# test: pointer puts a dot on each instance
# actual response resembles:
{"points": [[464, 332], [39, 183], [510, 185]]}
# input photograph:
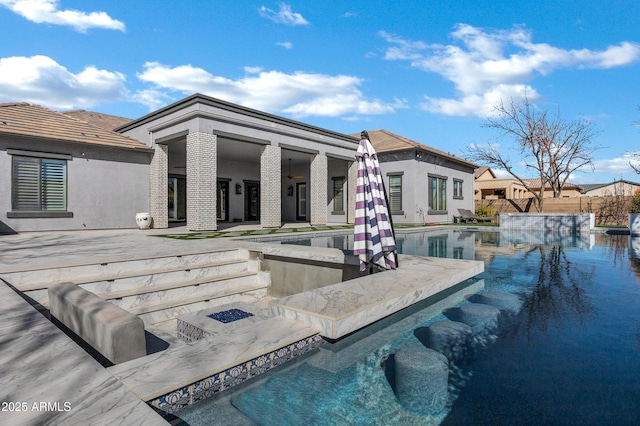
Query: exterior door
{"points": [[251, 201], [301, 201], [222, 205], [176, 201]]}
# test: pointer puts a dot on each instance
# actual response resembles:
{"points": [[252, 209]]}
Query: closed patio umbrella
{"points": [[374, 242]]}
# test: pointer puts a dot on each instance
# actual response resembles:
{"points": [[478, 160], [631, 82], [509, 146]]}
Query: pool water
{"points": [[570, 356]]}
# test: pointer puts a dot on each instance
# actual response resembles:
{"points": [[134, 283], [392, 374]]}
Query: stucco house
{"points": [[202, 161], [424, 184], [619, 187], [569, 190], [490, 187], [58, 172]]}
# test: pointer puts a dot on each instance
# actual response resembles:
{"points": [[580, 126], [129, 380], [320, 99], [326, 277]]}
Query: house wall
{"points": [[613, 189], [415, 185], [106, 187]]}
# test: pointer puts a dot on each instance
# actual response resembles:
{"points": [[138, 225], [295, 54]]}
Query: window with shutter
{"points": [[395, 193], [338, 195], [39, 184]]}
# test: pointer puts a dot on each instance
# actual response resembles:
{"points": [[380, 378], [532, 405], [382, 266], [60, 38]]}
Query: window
{"points": [[338, 195], [437, 193], [457, 189], [395, 193], [39, 185]]}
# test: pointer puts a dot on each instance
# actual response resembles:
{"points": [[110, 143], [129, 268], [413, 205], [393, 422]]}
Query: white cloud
{"points": [[300, 94], [286, 44], [620, 165], [152, 99], [486, 65], [47, 12], [283, 16], [41, 80]]}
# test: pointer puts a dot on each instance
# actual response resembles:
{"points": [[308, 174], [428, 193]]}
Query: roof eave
{"points": [[228, 106]]}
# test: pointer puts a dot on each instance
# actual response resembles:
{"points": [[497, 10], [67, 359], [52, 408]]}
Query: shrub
{"points": [[483, 211], [635, 202]]}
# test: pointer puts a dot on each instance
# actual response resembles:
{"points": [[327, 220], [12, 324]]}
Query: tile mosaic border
{"points": [[209, 386]]}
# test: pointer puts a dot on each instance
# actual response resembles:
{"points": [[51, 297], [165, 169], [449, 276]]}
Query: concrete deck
{"points": [[53, 380]]}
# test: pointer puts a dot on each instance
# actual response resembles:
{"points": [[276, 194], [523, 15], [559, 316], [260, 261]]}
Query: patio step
{"points": [[37, 279], [185, 293], [158, 288]]}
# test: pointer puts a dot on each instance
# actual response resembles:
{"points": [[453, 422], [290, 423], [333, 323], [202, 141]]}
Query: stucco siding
{"points": [[105, 187]]}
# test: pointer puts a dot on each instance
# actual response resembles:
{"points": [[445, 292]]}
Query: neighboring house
{"points": [[619, 187], [569, 190], [215, 161], [59, 173], [489, 187], [423, 184]]}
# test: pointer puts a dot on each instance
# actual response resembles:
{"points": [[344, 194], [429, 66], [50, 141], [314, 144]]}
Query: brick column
{"points": [[202, 173], [270, 187], [158, 186], [318, 192], [351, 192]]}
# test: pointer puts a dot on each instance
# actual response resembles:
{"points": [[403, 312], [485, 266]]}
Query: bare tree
{"points": [[551, 147]]}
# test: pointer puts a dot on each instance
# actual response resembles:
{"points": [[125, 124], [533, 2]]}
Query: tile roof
{"points": [[386, 141], [480, 171], [24, 119], [99, 119], [591, 186], [535, 183]]}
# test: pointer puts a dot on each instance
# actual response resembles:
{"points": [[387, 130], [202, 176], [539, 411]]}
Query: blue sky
{"points": [[430, 71]]}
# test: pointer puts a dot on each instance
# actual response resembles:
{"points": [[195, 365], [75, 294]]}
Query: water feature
{"points": [[571, 355]]}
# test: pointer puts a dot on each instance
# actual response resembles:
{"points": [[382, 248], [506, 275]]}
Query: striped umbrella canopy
{"points": [[374, 242]]}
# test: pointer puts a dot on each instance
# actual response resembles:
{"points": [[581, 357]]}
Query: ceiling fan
{"points": [[290, 176]]}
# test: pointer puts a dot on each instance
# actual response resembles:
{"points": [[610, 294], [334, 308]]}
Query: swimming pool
{"points": [[570, 356]]}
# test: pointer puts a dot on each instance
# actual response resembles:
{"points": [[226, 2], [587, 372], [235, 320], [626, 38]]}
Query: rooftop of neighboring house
{"points": [[482, 170], [592, 186], [34, 121], [536, 183], [385, 141]]}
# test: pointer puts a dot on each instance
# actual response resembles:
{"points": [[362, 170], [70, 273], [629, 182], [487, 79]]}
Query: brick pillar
{"points": [[351, 192], [318, 193], [202, 173], [158, 186], [270, 187]]}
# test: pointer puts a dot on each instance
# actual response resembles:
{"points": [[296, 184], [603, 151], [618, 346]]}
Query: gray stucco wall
{"points": [[415, 186], [106, 187]]}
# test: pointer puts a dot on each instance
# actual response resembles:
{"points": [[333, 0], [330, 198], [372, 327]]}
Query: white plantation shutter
{"points": [[26, 183], [338, 194], [54, 185], [395, 193], [39, 184]]}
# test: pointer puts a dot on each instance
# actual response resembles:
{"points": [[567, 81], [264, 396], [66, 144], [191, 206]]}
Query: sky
{"points": [[431, 71]]}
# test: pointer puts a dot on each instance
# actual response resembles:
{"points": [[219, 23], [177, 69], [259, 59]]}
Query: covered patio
{"points": [[216, 162]]}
